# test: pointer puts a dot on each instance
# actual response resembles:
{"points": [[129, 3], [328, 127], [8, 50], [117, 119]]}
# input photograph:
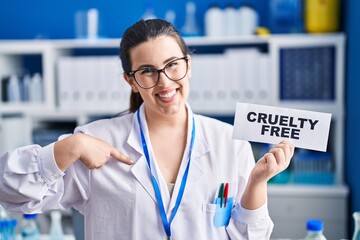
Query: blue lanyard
{"points": [[167, 223]]}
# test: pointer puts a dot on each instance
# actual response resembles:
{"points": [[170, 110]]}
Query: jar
{"points": [[322, 16]]}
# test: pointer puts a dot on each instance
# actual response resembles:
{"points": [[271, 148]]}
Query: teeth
{"points": [[168, 95]]}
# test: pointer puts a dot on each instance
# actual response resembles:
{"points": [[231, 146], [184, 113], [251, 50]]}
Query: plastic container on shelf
{"points": [[170, 16], [13, 89], [149, 12], [92, 23], [29, 227], [230, 20], [81, 24], [9, 229], [26, 82], [286, 16], [314, 230], [356, 234], [3, 213], [214, 21], [248, 20], [56, 230], [7, 225], [322, 16], [36, 89]]}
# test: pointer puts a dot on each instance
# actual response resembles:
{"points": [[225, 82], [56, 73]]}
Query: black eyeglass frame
{"points": [[162, 70]]}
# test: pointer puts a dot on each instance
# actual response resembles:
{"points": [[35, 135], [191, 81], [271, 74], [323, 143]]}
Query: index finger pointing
{"points": [[121, 157]]}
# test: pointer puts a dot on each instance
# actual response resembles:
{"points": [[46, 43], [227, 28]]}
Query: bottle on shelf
{"points": [[29, 227], [190, 27], [170, 16], [149, 12], [356, 234], [214, 18], [3, 213], [3, 229], [56, 230], [14, 89], [12, 232], [286, 16], [36, 89], [7, 225], [92, 23], [322, 16], [26, 82], [8, 229], [230, 20], [314, 229], [248, 20]]}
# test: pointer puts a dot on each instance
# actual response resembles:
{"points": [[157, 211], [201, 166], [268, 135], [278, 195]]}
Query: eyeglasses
{"points": [[148, 77]]}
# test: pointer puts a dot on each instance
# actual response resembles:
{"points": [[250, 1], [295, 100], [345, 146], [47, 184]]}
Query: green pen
{"points": [[221, 194]]}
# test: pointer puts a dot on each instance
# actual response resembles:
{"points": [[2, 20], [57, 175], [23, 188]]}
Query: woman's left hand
{"points": [[273, 162]]}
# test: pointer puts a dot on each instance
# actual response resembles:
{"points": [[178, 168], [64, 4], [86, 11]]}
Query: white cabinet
{"points": [[297, 71], [13, 55], [290, 207], [328, 52]]}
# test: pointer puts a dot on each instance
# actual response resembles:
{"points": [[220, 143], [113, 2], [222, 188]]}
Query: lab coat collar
{"points": [[141, 170]]}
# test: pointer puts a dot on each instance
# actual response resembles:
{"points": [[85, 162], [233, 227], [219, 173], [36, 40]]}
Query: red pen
{"points": [[226, 193]]}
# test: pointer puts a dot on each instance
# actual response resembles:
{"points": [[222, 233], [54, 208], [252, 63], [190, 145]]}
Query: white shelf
{"points": [[229, 40], [292, 190], [34, 46], [333, 107], [18, 108], [79, 117], [23, 47], [86, 43], [47, 237]]}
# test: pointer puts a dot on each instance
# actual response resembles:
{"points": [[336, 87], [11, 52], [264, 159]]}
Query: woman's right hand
{"points": [[93, 152]]}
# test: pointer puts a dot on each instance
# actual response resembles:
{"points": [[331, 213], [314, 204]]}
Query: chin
{"points": [[173, 109]]}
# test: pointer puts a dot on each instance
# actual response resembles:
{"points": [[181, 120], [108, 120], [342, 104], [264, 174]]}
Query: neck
{"points": [[168, 136], [157, 121]]}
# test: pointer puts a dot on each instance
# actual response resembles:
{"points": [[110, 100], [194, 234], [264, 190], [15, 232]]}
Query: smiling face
{"points": [[167, 97]]}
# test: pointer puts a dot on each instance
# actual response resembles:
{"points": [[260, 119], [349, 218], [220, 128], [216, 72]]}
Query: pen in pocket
{"points": [[221, 196], [226, 192]]}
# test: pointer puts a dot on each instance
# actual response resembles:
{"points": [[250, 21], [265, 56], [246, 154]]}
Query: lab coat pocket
{"points": [[222, 212]]}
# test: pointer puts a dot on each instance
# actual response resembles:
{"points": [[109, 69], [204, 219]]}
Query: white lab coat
{"points": [[118, 200]]}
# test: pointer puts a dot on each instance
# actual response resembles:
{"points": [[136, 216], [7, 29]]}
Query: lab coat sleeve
{"points": [[244, 223], [250, 224], [31, 182]]}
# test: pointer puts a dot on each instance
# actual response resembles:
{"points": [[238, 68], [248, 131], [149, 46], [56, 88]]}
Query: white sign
{"points": [[267, 124]]}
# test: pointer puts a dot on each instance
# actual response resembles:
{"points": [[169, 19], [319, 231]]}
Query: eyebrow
{"points": [[152, 66]]}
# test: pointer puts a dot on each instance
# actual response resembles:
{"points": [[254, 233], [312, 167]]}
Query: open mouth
{"points": [[167, 95]]}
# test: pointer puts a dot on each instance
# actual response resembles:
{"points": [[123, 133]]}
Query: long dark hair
{"points": [[141, 32]]}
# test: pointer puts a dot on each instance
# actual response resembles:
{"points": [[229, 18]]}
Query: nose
{"points": [[163, 79]]}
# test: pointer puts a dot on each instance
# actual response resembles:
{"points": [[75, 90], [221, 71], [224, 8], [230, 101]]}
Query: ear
{"points": [[131, 82]]}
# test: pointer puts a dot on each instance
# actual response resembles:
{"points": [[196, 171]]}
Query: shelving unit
{"points": [[12, 54], [223, 52], [291, 206]]}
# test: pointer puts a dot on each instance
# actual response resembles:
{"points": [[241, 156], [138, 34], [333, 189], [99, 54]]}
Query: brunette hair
{"points": [[141, 32]]}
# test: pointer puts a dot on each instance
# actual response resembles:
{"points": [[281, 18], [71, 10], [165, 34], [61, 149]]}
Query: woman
{"points": [[184, 177]]}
